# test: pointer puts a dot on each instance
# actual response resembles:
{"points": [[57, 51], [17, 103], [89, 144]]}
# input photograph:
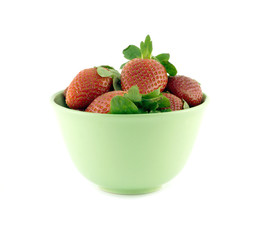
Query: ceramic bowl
{"points": [[129, 153]]}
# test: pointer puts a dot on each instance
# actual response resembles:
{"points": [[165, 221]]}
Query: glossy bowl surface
{"points": [[129, 154]]}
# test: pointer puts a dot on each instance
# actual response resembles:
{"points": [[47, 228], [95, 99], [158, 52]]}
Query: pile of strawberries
{"points": [[146, 84]]}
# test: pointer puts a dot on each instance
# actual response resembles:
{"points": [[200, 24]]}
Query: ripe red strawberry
{"points": [[85, 87], [175, 102], [102, 103], [185, 88], [144, 70], [147, 74]]}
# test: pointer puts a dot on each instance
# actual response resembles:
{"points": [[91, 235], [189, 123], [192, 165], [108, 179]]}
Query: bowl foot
{"points": [[130, 191]]}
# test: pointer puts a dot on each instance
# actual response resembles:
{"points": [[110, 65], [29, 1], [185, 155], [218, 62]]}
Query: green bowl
{"points": [[129, 153]]}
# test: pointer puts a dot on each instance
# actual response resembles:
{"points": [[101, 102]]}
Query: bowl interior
{"points": [[59, 99]]}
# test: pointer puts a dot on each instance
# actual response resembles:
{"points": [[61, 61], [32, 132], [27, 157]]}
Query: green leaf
{"points": [[133, 102], [150, 105], [132, 52], [164, 102], [107, 71], [153, 57], [115, 73], [107, 66], [170, 68], [149, 44], [185, 104], [141, 110], [121, 67], [143, 49], [146, 48], [103, 72], [162, 57], [166, 110], [153, 94], [134, 94], [122, 105]]}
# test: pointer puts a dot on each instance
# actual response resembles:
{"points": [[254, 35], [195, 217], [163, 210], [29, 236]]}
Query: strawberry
{"points": [[144, 70], [147, 74], [175, 102], [185, 88], [85, 87], [102, 103]]}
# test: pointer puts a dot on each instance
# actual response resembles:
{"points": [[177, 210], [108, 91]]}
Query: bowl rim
{"points": [[73, 111]]}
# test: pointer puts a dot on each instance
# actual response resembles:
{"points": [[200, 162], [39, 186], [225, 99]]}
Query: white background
{"points": [[220, 192]]}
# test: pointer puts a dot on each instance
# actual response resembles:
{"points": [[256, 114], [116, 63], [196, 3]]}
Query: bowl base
{"points": [[130, 191]]}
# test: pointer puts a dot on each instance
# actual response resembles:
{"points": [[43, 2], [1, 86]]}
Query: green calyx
{"points": [[135, 103], [107, 71], [146, 48], [145, 52]]}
